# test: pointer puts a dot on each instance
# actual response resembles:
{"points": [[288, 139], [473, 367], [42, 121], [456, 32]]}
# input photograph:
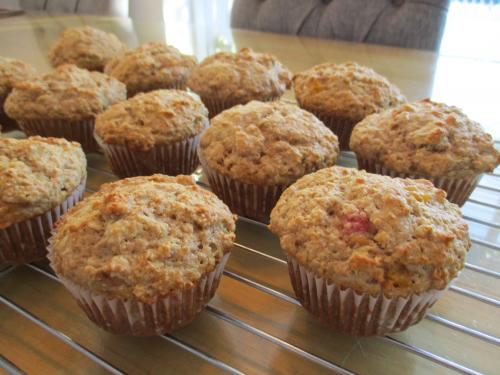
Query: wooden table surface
{"points": [[253, 325]]}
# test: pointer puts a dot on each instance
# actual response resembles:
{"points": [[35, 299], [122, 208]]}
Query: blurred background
{"points": [[201, 27], [461, 27]]}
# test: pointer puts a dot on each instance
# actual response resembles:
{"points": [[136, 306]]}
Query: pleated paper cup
{"points": [[457, 190], [7, 123], [81, 131], [27, 240], [171, 159], [248, 200], [359, 314], [216, 106], [340, 126], [132, 317]]}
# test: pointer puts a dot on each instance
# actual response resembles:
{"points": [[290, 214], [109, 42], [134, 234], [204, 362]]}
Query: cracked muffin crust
{"points": [[149, 119], [347, 91], [425, 137], [142, 238], [68, 93], [271, 143], [37, 174], [86, 47], [372, 233], [151, 66], [240, 77], [12, 71]]}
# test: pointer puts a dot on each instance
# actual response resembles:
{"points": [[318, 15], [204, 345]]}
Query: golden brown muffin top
{"points": [[372, 233], [150, 66], [348, 91], [37, 174], [142, 237], [68, 93], [87, 47], [148, 119], [12, 71], [428, 138], [240, 77], [267, 143]]}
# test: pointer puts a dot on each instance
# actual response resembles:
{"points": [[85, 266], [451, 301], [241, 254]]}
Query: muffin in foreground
{"points": [[86, 47], [155, 132], [427, 140], [64, 103], [144, 255], [11, 71], [226, 79], [40, 179], [341, 95], [251, 153], [151, 66], [369, 254]]}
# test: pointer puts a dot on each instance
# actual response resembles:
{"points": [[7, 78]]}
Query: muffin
{"points": [[151, 66], [144, 255], [11, 71], [155, 132], [226, 79], [252, 152], [86, 47], [40, 179], [369, 254], [341, 95], [64, 103], [427, 140]]}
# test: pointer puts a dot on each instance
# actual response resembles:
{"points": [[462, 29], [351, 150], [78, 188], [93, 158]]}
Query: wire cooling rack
{"points": [[460, 334]]}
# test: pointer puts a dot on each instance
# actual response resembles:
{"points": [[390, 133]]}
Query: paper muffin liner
{"points": [[174, 85], [7, 123], [216, 106], [81, 131], [132, 317], [457, 190], [171, 159], [359, 314], [248, 200], [27, 240], [342, 128]]}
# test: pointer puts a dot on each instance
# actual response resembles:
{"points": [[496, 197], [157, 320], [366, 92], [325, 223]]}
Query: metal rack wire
{"points": [[288, 298]]}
